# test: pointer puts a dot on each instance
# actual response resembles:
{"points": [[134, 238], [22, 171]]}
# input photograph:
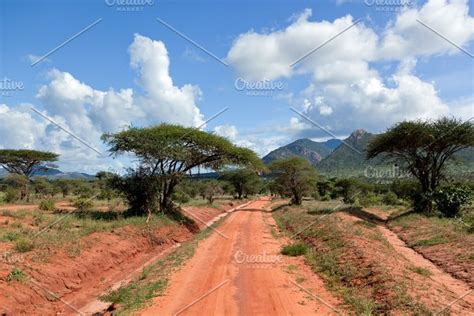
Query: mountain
{"points": [[313, 151], [347, 157], [333, 157], [55, 174]]}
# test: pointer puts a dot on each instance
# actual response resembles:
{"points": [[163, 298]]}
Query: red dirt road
{"points": [[239, 271]]}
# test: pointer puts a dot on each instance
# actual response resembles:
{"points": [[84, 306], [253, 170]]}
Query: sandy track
{"points": [[223, 279]]}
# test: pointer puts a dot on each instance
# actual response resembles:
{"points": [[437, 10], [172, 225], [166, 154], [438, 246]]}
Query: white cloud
{"points": [[164, 101], [18, 128], [258, 56], [346, 91], [227, 131], [193, 55], [88, 112], [260, 142], [406, 37], [31, 58]]}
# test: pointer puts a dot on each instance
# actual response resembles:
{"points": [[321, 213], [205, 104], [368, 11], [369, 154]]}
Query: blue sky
{"points": [[131, 69]]}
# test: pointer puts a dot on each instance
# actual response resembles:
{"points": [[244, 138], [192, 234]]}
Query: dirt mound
{"points": [[392, 268], [65, 283]]}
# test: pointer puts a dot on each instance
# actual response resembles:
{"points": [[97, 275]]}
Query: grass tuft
{"points": [[16, 275], [294, 250]]}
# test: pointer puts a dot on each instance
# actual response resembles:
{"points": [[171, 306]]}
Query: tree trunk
{"points": [[168, 190], [148, 210]]}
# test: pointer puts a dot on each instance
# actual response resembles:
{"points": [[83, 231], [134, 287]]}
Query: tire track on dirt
{"points": [[254, 288]]}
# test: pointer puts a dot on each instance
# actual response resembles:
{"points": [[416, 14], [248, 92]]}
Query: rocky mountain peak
{"points": [[358, 133]]}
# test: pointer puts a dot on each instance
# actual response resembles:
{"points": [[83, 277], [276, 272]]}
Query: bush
{"points": [[369, 199], [405, 188], [12, 195], [468, 220], [10, 236], [316, 196], [180, 197], [294, 250], [47, 205], [16, 275], [141, 190], [450, 199], [83, 204], [348, 189], [390, 198], [23, 245]]}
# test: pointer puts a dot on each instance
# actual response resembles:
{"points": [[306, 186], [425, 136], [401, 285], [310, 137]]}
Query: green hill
{"points": [[348, 158], [313, 151]]}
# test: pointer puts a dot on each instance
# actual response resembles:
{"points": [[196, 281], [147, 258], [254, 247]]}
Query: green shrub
{"points": [[405, 188], [450, 199], [294, 250], [316, 196], [10, 236], [47, 205], [468, 220], [320, 211], [369, 199], [16, 275], [180, 197], [12, 195], [390, 198], [83, 204], [23, 245]]}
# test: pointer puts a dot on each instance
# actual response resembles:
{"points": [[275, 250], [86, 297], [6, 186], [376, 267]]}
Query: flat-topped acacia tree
{"points": [[26, 162], [423, 148], [166, 153]]}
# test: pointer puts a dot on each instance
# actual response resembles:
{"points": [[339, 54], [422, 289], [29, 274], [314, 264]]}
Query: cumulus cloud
{"points": [[406, 37], [258, 56], [18, 128], [346, 90], [163, 101], [227, 131], [261, 142], [88, 112]]}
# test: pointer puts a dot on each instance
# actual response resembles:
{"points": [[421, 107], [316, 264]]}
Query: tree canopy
{"points": [[170, 151], [244, 181], [295, 176], [26, 162], [423, 148]]}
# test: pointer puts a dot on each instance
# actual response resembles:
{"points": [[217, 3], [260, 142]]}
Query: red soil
{"points": [[66, 284], [225, 275]]}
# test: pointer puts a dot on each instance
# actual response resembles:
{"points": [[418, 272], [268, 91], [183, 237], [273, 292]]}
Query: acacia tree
{"points": [[423, 148], [295, 177], [166, 153], [26, 162], [210, 189], [244, 181]]}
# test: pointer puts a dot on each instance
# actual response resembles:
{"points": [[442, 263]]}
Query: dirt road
{"points": [[238, 271]]}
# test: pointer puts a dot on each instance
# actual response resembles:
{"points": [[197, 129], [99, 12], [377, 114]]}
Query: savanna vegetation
{"points": [[169, 160]]}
